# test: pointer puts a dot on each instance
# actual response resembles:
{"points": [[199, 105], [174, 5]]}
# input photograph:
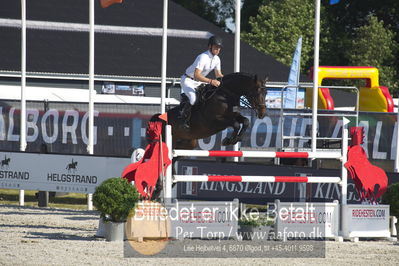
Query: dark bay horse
{"points": [[219, 108]]}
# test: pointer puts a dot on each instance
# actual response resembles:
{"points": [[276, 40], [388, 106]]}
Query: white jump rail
{"points": [[258, 154], [248, 178]]}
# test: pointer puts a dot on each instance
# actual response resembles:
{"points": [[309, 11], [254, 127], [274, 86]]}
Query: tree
{"points": [[374, 45], [279, 24], [349, 15], [215, 11], [249, 9], [346, 20]]}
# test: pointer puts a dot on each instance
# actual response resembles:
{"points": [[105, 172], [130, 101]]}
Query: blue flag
{"points": [[290, 96], [333, 2]]}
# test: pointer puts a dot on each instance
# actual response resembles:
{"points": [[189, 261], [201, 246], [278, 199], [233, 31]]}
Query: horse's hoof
{"points": [[235, 141], [226, 142]]}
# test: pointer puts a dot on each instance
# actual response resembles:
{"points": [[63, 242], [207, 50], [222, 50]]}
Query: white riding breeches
{"points": [[188, 87]]}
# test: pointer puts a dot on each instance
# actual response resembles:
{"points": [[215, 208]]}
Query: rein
{"points": [[243, 98], [213, 92], [244, 101]]}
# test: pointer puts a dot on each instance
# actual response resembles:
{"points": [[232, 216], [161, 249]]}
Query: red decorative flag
{"points": [[164, 117], [370, 181], [146, 172], [107, 3]]}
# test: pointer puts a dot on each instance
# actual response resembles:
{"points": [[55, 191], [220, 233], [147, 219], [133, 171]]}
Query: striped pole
{"points": [[271, 179], [258, 154]]}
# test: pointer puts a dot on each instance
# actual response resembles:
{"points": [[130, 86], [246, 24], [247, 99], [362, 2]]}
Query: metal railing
{"points": [[284, 114]]}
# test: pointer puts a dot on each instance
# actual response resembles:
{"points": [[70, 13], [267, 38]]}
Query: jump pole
{"points": [[168, 177], [344, 172], [22, 143], [270, 179], [257, 154]]}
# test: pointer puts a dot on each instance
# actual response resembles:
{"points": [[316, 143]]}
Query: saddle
{"points": [[203, 92]]}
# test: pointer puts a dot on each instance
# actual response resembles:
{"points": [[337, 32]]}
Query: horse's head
{"points": [[248, 85], [257, 96]]}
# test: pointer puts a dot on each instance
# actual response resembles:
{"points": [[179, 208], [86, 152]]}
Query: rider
{"points": [[196, 74]]}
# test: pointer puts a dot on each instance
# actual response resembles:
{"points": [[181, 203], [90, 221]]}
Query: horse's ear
{"points": [[255, 77], [265, 80]]}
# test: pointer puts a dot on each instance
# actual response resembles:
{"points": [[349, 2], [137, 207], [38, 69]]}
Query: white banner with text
{"points": [[60, 173]]}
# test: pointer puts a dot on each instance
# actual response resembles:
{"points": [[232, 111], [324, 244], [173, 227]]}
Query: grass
{"points": [[68, 201]]}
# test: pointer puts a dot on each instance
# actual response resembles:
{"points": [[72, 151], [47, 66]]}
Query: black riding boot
{"points": [[186, 115], [185, 111]]}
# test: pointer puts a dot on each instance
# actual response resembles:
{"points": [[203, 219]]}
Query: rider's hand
{"points": [[215, 82]]}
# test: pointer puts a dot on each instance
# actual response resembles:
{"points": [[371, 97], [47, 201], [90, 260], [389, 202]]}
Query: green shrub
{"points": [[116, 198], [258, 221], [391, 197]]}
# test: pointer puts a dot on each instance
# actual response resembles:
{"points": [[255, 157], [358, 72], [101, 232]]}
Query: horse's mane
{"points": [[237, 79], [236, 75]]}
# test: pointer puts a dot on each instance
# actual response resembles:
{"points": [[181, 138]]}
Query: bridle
{"points": [[253, 95], [243, 100]]}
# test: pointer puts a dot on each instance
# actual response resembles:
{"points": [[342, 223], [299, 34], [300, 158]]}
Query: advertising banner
{"points": [[304, 220], [59, 173], [62, 128], [184, 219], [366, 221], [262, 193], [204, 219]]}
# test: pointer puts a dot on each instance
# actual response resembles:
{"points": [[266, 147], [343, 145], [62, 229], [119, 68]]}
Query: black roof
{"points": [[64, 51]]}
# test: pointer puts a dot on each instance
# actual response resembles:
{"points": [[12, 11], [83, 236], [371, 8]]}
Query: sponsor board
{"points": [[258, 193], [262, 193], [184, 219], [307, 220], [63, 173], [216, 224], [59, 130], [204, 219], [365, 221]]}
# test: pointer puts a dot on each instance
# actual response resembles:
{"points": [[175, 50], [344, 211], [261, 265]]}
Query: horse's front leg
{"points": [[245, 124], [239, 130], [232, 139]]}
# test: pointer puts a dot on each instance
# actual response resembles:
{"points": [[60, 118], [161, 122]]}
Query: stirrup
{"points": [[186, 126], [182, 115], [186, 123]]}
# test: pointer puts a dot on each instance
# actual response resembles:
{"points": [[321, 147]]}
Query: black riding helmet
{"points": [[215, 40]]}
